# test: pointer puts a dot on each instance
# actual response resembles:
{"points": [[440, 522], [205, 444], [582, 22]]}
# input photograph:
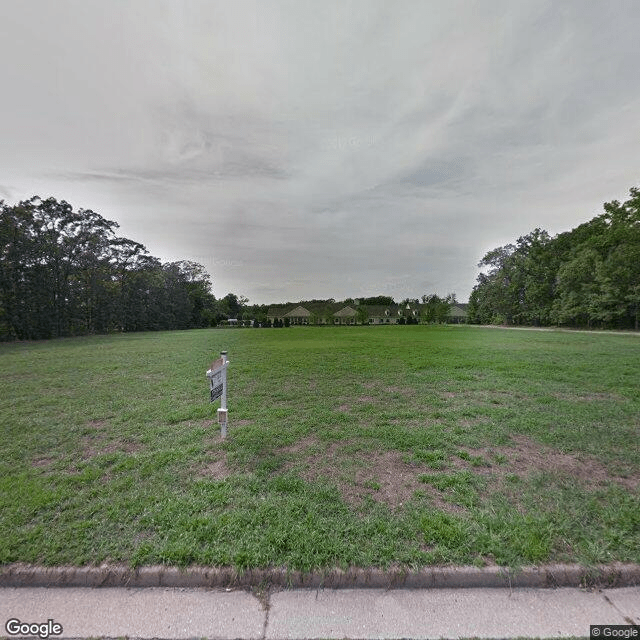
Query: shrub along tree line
{"points": [[586, 277], [66, 272]]}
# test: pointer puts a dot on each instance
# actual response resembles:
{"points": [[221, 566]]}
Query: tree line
{"points": [[586, 277], [67, 273]]}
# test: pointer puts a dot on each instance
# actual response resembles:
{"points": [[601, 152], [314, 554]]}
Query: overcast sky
{"points": [[323, 149]]}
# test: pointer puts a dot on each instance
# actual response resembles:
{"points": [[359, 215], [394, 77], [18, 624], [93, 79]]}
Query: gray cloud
{"points": [[305, 149], [6, 192]]}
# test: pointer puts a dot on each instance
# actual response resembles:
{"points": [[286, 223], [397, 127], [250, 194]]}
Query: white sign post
{"points": [[217, 375]]}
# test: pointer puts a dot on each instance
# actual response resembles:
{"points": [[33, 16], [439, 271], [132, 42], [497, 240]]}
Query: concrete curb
{"points": [[547, 576]]}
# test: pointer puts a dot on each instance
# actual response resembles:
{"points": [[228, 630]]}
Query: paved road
{"points": [[341, 613]]}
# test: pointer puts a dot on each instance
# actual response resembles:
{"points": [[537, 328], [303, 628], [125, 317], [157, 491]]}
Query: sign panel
{"points": [[216, 381], [216, 392]]}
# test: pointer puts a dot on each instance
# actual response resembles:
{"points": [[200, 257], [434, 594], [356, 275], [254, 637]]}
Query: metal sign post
{"points": [[217, 375]]}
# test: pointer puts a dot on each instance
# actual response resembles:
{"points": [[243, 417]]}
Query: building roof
{"points": [[298, 312], [318, 309], [281, 309], [377, 310], [340, 310], [345, 312]]}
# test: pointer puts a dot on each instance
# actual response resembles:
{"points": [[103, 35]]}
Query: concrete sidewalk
{"points": [[308, 613]]}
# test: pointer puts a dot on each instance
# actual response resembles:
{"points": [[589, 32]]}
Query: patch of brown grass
{"points": [[383, 476], [301, 445], [527, 457], [92, 446], [240, 423], [216, 469], [407, 392], [43, 462], [392, 478]]}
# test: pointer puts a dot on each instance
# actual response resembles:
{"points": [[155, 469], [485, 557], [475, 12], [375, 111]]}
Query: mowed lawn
{"points": [[347, 446]]}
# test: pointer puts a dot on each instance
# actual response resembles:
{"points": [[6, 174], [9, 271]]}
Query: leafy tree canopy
{"points": [[589, 276]]}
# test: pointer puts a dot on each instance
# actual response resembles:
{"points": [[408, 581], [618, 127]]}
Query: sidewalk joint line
{"points": [[266, 607], [627, 619]]}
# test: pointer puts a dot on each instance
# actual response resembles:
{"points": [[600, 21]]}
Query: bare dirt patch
{"points": [[383, 476], [43, 462], [240, 423], [122, 447], [95, 446], [526, 457], [392, 478], [216, 469], [301, 445]]}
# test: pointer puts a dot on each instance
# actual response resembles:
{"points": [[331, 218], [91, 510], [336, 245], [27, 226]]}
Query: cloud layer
{"points": [[314, 149]]}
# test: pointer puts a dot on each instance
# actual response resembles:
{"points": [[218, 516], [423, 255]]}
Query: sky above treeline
{"points": [[326, 148]]}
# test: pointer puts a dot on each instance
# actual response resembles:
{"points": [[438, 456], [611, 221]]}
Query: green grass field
{"points": [[347, 446]]}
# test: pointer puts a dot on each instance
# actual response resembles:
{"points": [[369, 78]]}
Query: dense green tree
{"points": [[65, 272], [435, 308], [230, 306], [587, 277], [575, 287], [362, 315], [49, 255]]}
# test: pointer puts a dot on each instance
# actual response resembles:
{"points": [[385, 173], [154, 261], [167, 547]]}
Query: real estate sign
{"points": [[217, 375], [216, 382]]}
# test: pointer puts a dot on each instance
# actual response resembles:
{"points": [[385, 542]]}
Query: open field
{"points": [[348, 446]]}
